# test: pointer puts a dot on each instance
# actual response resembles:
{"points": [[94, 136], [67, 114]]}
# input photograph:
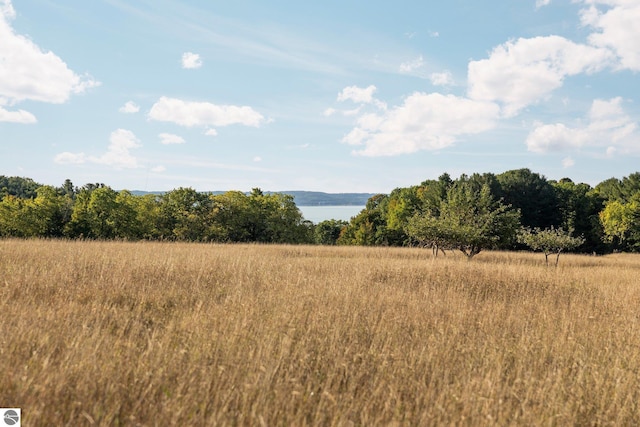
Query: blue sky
{"points": [[335, 96]]}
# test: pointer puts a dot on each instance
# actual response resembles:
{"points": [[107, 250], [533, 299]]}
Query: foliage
{"points": [[621, 224], [328, 232], [469, 220], [431, 213], [579, 206], [22, 188], [532, 194], [549, 241]]}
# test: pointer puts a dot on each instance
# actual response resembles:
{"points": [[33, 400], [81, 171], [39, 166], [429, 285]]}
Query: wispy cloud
{"points": [[413, 66], [265, 44], [169, 139], [444, 78]]}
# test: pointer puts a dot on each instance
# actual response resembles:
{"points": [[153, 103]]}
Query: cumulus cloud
{"points": [[357, 94], [608, 125], [20, 116], [158, 169], [118, 152], [129, 107], [211, 132], [186, 113], [519, 73], [191, 60], [423, 122], [616, 23], [169, 138], [29, 73], [361, 96]]}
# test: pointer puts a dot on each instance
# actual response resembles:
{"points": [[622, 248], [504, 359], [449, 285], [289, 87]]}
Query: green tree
{"points": [[428, 230], [549, 241], [328, 232], [532, 194], [469, 220], [579, 206], [369, 227], [49, 212], [13, 222], [23, 188], [184, 214], [621, 224]]}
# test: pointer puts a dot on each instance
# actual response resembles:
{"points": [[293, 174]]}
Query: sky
{"points": [[334, 96]]}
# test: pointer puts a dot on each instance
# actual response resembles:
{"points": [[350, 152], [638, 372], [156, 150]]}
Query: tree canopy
{"points": [[469, 213]]}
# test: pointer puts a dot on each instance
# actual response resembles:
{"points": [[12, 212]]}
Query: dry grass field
{"points": [[112, 333]]}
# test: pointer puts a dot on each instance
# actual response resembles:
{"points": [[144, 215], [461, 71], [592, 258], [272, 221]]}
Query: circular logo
{"points": [[11, 417]]}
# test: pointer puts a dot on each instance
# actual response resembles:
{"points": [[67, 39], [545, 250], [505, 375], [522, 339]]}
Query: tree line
{"points": [[512, 210], [96, 211]]}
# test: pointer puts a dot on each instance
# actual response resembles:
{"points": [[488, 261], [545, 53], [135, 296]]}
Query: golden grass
{"points": [[111, 333]]}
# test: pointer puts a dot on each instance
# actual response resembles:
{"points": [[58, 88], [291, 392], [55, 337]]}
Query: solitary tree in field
{"points": [[549, 241], [469, 219]]}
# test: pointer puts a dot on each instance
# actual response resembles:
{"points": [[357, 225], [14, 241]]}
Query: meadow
{"points": [[145, 334]]}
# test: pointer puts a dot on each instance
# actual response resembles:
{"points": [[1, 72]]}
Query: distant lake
{"points": [[318, 214]]}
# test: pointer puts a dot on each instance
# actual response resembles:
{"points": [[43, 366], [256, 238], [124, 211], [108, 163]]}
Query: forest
{"points": [[512, 210]]}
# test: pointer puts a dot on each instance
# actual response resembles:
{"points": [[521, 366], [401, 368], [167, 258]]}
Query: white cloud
{"points": [[617, 28], [20, 116], [413, 66], [211, 132], [361, 96], [519, 73], [329, 112], [608, 125], [169, 138], [434, 34], [29, 73], [191, 60], [444, 78], [118, 154], [423, 122], [186, 113], [129, 107], [541, 3], [158, 169], [68, 158], [257, 159], [568, 162], [357, 94]]}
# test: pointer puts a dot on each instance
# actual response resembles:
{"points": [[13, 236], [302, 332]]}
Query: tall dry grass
{"points": [[183, 334]]}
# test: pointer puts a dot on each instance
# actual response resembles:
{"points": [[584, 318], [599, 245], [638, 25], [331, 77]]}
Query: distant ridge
{"points": [[318, 198], [305, 198]]}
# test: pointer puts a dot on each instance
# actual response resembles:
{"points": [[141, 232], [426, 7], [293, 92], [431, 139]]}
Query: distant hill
{"points": [[307, 198], [318, 198]]}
